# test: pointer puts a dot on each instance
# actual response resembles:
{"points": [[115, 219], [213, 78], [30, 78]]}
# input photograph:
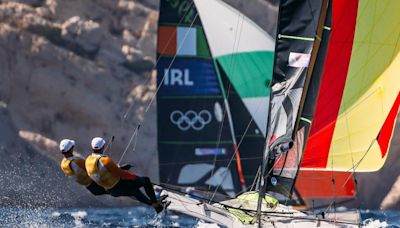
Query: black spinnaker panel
{"points": [[299, 25]]}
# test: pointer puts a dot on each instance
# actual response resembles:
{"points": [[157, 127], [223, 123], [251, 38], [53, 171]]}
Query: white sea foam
{"points": [[201, 224], [374, 223], [174, 217], [78, 216]]}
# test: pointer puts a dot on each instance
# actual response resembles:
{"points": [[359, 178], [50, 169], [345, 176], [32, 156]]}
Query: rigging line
{"points": [[251, 187], [108, 147], [203, 201], [272, 168], [347, 112], [225, 110], [270, 213], [170, 65], [362, 158], [348, 130], [324, 206], [333, 191], [218, 144], [328, 208], [248, 188], [159, 57], [255, 179], [393, 54], [234, 49], [226, 173], [203, 161], [226, 104], [351, 153], [134, 145], [239, 144], [129, 143], [355, 51], [266, 153]]}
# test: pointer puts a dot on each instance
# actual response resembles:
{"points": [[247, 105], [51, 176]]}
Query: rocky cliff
{"points": [[73, 69]]}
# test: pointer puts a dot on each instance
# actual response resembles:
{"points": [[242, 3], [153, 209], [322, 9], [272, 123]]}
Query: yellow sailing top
{"points": [[75, 167]]}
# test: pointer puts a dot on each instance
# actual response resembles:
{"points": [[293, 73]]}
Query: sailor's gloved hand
{"points": [[126, 166]]}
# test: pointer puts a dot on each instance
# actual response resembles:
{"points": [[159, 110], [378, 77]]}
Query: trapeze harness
{"points": [[74, 167], [71, 167]]}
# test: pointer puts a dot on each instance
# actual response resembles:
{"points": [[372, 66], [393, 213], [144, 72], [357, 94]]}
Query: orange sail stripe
{"points": [[319, 184]]}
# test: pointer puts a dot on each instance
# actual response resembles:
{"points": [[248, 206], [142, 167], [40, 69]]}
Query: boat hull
{"points": [[281, 216]]}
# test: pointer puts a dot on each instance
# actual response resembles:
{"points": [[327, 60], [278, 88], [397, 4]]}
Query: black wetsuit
{"points": [[126, 187], [96, 189]]}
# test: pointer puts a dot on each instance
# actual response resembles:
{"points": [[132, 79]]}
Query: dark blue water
{"points": [[94, 217], [136, 217]]}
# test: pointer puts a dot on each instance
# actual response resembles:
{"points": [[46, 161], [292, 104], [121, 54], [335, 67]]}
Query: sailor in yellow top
{"points": [[74, 167], [116, 180]]}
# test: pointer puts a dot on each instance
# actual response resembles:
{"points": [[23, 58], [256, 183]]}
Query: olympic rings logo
{"points": [[190, 119]]}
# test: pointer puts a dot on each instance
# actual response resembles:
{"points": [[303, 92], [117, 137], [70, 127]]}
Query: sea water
{"points": [[136, 217]]}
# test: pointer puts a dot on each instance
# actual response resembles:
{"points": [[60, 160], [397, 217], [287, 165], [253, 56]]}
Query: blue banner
{"points": [[209, 151], [186, 77]]}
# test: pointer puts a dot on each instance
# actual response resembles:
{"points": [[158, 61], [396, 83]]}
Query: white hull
{"points": [[215, 213]]}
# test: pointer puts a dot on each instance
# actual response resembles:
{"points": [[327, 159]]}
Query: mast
{"points": [[261, 180], [295, 54], [232, 130]]}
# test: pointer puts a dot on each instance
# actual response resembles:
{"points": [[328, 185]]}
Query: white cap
{"points": [[98, 143], [66, 145]]}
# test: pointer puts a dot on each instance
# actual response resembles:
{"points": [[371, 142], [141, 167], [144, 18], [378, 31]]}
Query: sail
{"points": [[207, 65], [358, 100], [363, 88], [311, 183], [296, 49], [243, 54], [243, 51]]}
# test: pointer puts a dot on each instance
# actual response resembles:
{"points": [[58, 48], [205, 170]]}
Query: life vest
{"points": [[99, 173], [79, 175]]}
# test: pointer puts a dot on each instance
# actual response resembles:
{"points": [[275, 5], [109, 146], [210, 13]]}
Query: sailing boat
{"points": [[321, 95]]}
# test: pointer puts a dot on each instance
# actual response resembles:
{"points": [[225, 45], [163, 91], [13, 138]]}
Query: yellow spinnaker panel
{"points": [[372, 85]]}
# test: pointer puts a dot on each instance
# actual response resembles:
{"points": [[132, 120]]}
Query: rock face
{"points": [[70, 69], [393, 197]]}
